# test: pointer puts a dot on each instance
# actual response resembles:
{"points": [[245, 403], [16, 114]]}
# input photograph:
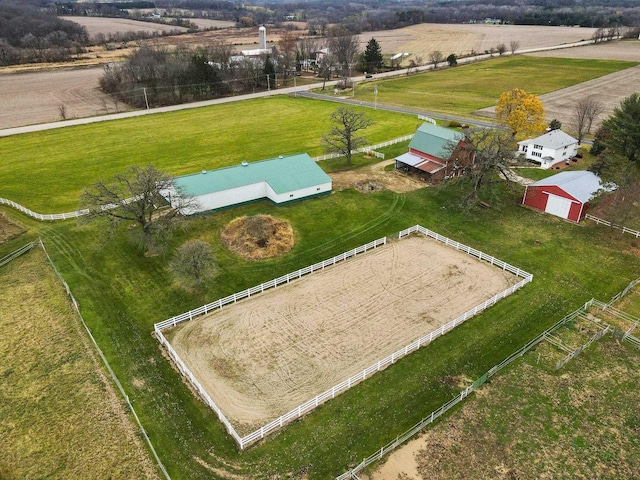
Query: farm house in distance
{"points": [[281, 180], [435, 154], [550, 148], [565, 195]]}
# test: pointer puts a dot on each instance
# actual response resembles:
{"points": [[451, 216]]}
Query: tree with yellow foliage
{"points": [[522, 112]]}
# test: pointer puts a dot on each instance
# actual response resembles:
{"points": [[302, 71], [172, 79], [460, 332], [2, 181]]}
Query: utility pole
{"points": [[375, 96], [268, 83], [146, 100]]}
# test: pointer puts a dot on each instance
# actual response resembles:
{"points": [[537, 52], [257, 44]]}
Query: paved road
{"points": [[302, 90]]}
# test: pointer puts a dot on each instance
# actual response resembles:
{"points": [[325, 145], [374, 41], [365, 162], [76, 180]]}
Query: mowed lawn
{"points": [[46, 171], [61, 417], [464, 89]]}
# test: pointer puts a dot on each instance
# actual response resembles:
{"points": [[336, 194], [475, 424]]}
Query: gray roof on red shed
{"points": [[581, 185]]}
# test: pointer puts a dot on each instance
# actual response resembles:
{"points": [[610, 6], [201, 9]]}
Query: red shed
{"points": [[565, 195]]}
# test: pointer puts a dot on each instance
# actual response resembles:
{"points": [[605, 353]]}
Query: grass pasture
{"points": [[579, 422], [61, 416], [123, 293], [467, 88], [46, 171]]}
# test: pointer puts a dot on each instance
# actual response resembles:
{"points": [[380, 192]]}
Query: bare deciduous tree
{"points": [[501, 48], [514, 45], [585, 112], [436, 57], [344, 47], [493, 150], [193, 263], [62, 110], [342, 137], [135, 195]]}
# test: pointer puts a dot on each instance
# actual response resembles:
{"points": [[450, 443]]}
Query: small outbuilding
{"points": [[435, 153], [553, 147], [281, 180], [565, 195]]}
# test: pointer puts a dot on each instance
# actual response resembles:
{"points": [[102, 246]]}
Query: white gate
{"points": [[558, 206]]}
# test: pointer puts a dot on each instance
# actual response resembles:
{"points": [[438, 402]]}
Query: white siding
{"points": [[558, 155], [248, 193]]}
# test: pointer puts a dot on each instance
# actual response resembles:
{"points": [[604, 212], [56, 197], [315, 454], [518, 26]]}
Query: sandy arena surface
{"points": [[266, 355]]}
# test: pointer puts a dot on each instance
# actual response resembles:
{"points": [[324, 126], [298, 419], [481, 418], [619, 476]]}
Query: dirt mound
{"points": [[258, 237], [368, 186], [8, 230]]}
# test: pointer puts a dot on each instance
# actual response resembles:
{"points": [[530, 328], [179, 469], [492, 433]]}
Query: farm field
{"points": [[264, 356], [46, 171], [49, 91], [467, 88], [461, 39], [61, 416], [36, 97], [579, 422], [106, 26]]}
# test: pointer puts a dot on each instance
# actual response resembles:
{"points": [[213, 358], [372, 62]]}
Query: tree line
{"points": [[28, 34]]}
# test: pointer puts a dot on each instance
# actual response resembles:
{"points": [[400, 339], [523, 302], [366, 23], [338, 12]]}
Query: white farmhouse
{"points": [[553, 147], [281, 180]]}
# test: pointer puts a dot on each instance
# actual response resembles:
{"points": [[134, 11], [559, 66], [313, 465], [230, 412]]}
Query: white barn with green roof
{"points": [[281, 180]]}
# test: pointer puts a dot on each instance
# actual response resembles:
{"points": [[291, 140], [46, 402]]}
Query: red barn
{"points": [[565, 195]]}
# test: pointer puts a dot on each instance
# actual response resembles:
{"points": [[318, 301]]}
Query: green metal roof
{"points": [[434, 140], [283, 175]]}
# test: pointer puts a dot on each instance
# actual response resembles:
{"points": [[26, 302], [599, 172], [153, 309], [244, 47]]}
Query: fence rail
{"points": [[16, 253], [306, 407], [600, 221], [370, 149], [209, 307], [573, 354], [40, 216], [352, 474]]}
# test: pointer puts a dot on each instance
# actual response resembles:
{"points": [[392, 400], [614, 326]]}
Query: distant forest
{"points": [[35, 30], [29, 34]]}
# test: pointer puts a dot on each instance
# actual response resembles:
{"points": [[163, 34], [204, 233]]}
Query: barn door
{"points": [[558, 206]]}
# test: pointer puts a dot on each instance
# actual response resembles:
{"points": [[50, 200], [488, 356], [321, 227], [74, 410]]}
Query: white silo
{"points": [[263, 37]]}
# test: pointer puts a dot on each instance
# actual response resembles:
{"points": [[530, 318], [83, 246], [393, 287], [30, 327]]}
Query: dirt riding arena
{"points": [[268, 354]]}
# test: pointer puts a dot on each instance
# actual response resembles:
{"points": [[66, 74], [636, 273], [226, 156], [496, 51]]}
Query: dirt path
{"points": [[264, 356], [391, 180]]}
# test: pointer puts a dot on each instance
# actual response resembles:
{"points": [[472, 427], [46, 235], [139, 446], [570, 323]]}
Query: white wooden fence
{"points": [[40, 216], [600, 221], [355, 379], [400, 439], [369, 149]]}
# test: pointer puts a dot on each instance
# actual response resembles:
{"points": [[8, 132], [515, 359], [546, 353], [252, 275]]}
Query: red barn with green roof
{"points": [[435, 153]]}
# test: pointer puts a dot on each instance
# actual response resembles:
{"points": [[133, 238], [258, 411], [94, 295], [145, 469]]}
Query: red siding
{"points": [[536, 197]]}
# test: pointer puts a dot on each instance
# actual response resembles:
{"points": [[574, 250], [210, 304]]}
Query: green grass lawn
{"points": [[464, 89], [534, 173], [46, 171], [122, 293]]}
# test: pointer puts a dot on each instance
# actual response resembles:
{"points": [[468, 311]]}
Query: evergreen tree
{"points": [[624, 129], [372, 58]]}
